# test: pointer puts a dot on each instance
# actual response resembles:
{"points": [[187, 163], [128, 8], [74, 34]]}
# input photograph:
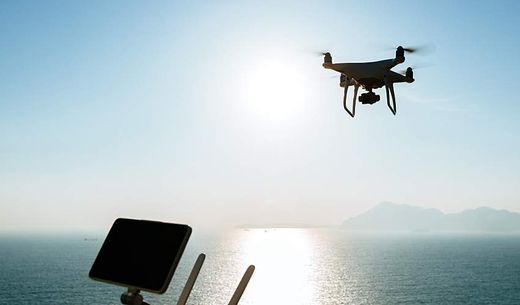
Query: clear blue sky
{"points": [[220, 113]]}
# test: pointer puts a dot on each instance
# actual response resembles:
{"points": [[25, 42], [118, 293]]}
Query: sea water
{"points": [[293, 266]]}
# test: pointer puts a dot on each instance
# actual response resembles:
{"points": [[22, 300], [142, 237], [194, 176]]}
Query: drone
{"points": [[370, 76]]}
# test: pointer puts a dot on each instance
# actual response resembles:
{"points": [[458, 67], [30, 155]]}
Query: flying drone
{"points": [[370, 76]]}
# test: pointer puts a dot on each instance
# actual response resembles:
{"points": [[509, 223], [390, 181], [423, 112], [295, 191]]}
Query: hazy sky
{"points": [[220, 112]]}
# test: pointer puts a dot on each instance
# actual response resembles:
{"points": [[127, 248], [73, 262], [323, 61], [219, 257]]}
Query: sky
{"points": [[220, 113]]}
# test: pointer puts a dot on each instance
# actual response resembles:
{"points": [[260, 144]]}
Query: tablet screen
{"points": [[141, 254]]}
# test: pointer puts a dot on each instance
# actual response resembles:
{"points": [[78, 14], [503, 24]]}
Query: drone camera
{"points": [[369, 98]]}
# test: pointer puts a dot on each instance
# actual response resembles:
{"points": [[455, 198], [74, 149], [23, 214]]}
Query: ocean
{"points": [[293, 267]]}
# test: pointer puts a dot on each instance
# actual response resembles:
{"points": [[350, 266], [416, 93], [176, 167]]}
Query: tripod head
{"points": [[133, 297]]}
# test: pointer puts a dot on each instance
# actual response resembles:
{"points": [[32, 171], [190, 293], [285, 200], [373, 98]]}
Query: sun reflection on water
{"points": [[293, 266], [284, 270]]}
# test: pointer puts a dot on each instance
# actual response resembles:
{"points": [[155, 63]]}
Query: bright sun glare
{"points": [[283, 258], [273, 91]]}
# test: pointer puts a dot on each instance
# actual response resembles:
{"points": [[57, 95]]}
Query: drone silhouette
{"points": [[370, 76]]}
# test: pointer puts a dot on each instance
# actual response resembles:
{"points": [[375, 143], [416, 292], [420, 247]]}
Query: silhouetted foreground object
{"points": [[370, 76], [143, 255], [140, 254]]}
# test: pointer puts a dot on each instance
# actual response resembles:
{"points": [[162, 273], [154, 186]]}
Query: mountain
{"points": [[400, 217]]}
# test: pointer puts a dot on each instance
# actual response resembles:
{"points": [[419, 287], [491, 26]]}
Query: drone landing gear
{"points": [[389, 86], [356, 87]]}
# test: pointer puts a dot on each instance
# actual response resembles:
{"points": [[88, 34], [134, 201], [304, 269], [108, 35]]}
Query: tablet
{"points": [[140, 254]]}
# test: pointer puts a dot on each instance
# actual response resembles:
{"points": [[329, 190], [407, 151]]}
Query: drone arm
{"points": [[389, 86], [353, 112]]}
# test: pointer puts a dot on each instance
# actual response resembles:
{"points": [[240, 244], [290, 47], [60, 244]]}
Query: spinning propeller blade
{"points": [[414, 67], [424, 49], [320, 53]]}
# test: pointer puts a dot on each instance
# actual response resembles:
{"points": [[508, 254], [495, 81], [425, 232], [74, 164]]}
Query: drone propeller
{"points": [[424, 49], [410, 50], [320, 53], [414, 67]]}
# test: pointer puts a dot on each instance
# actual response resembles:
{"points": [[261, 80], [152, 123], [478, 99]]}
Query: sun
{"points": [[272, 90]]}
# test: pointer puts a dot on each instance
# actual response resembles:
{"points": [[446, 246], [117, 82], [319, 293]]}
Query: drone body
{"points": [[369, 76]]}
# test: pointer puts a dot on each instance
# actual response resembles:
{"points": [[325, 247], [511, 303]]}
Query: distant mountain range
{"points": [[400, 217]]}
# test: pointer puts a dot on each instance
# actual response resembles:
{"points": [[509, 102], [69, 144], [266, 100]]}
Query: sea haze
{"points": [[388, 216], [294, 266]]}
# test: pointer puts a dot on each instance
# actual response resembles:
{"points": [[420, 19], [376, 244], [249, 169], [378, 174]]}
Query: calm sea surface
{"points": [[294, 266]]}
